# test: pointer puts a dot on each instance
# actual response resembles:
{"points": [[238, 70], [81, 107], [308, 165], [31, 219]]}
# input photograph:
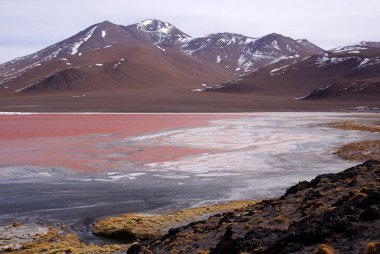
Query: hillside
{"points": [[154, 66], [346, 73]]}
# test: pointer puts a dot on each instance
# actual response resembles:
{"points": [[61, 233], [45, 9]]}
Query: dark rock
{"points": [[173, 231], [311, 231], [350, 210], [296, 188], [228, 234], [342, 200], [371, 213], [312, 194], [134, 249], [373, 197], [352, 218], [227, 217], [227, 245]]}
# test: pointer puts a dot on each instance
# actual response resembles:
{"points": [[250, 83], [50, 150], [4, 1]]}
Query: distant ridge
{"points": [[158, 62]]}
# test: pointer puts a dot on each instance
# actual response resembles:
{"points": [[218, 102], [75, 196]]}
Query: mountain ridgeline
{"points": [[157, 60]]}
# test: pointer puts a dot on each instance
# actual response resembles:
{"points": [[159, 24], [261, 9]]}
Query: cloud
{"points": [[329, 23]]}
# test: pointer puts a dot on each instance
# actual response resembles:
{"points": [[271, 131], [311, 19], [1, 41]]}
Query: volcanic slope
{"points": [[153, 66], [105, 57], [345, 73]]}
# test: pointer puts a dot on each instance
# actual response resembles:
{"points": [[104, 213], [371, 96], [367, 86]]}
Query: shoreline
{"points": [[350, 151], [182, 113], [154, 226], [362, 150], [323, 187], [360, 129]]}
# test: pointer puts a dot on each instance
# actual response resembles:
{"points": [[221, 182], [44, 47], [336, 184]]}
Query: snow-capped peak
{"points": [[348, 49], [372, 44], [356, 47], [229, 39], [157, 32], [145, 22], [152, 25]]}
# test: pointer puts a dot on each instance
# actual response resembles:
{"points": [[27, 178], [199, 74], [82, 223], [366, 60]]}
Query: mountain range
{"points": [[154, 66]]}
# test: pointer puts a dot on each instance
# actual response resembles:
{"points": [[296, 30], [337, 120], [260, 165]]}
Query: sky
{"points": [[27, 26]]}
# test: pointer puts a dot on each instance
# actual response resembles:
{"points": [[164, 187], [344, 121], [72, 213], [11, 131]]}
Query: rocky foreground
{"points": [[334, 213]]}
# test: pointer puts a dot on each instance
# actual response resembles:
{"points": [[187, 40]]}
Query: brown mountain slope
{"points": [[153, 66], [133, 66], [355, 72]]}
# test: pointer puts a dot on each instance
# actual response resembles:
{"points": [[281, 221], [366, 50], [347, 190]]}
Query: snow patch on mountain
{"points": [[86, 37], [22, 89], [284, 58], [145, 22], [278, 69], [14, 74], [160, 33], [155, 26], [275, 45], [348, 49], [336, 60], [245, 54], [233, 48], [162, 49], [366, 62], [324, 59], [244, 63], [257, 54], [313, 92]]}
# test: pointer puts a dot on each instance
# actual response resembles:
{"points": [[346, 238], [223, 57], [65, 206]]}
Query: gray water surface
{"points": [[254, 156]]}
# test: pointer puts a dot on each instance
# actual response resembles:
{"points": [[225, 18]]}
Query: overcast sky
{"points": [[29, 25]]}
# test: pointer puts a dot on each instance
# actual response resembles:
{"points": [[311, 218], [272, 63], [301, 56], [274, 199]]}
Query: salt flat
{"points": [[74, 168]]}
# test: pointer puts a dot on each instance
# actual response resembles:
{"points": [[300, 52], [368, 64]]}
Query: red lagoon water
{"points": [[82, 141]]}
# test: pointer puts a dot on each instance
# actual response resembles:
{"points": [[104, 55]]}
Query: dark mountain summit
{"points": [[156, 32]]}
